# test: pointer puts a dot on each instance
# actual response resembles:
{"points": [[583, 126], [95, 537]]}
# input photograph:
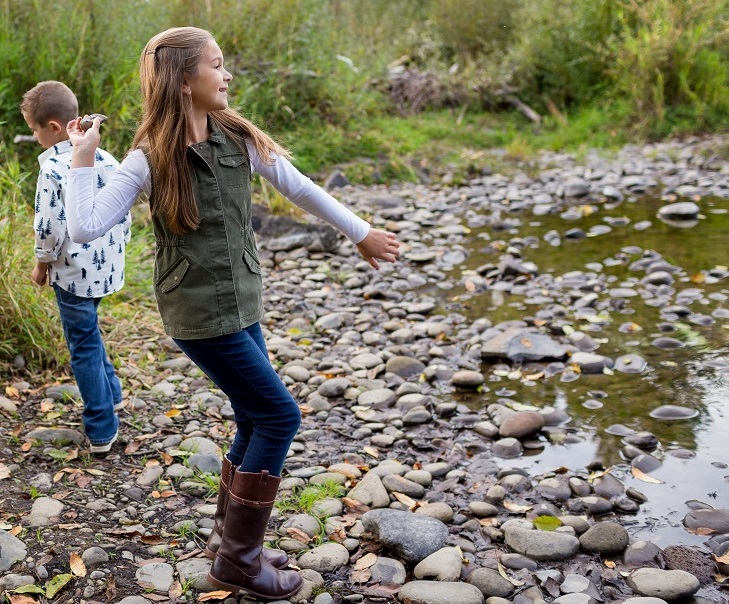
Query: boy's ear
{"points": [[56, 126]]}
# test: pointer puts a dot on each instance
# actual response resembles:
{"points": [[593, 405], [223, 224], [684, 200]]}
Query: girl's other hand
{"points": [[379, 245]]}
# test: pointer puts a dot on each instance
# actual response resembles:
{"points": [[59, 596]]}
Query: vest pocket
{"points": [[232, 161], [173, 277], [252, 262]]}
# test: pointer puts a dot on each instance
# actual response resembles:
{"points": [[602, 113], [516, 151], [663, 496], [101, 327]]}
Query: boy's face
{"points": [[47, 135]]}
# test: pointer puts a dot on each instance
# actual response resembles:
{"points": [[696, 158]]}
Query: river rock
{"points": [[667, 584], [541, 545], [412, 536]]}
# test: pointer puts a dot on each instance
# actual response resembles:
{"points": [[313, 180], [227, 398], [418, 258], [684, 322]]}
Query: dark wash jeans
{"points": [[266, 414], [99, 386]]}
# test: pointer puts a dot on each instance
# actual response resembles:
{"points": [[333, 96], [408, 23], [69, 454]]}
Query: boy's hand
{"points": [[40, 273], [379, 245]]}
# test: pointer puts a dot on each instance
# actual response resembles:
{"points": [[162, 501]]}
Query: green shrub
{"points": [[28, 319]]}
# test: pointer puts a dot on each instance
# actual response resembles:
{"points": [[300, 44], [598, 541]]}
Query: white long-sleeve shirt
{"points": [[94, 215]]}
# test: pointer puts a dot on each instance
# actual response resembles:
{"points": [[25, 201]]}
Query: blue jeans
{"points": [[266, 414], [99, 386]]}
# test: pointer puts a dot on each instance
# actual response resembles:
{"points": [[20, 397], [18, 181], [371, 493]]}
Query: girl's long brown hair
{"points": [[167, 59]]}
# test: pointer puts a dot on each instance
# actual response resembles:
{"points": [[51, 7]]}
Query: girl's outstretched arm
{"points": [[379, 245]]}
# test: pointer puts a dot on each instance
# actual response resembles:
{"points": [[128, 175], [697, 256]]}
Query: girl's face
{"points": [[208, 89]]}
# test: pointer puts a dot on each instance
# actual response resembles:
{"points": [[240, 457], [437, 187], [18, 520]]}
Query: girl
{"points": [[194, 156]]}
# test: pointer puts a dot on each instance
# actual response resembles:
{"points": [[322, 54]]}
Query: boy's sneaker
{"points": [[104, 447]]}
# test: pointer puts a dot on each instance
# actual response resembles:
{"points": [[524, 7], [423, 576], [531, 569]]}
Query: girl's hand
{"points": [[84, 138], [84, 142], [379, 245]]}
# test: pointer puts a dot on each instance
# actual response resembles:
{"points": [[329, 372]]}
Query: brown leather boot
{"points": [[275, 557], [240, 563]]}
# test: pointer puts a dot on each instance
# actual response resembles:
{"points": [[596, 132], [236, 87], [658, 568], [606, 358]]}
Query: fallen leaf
{"points": [[355, 505], [21, 599], [534, 376], [175, 590], [722, 559], [133, 446], [298, 534], [698, 278], [58, 476], [12, 392], [56, 584], [29, 589], [16, 531], [640, 475], [173, 413], [502, 572], [167, 458], [46, 406], [77, 565], [25, 447], [402, 498], [110, 588], [4, 471], [515, 507], [361, 576], [365, 561], [384, 590], [470, 286], [610, 564], [152, 540], [95, 472], [371, 451], [526, 342], [213, 595], [70, 527]]}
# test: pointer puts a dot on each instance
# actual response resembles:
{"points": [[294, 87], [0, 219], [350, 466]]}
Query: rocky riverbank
{"points": [[403, 484]]}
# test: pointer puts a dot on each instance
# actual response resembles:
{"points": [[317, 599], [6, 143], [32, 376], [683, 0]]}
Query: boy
{"points": [[80, 274]]}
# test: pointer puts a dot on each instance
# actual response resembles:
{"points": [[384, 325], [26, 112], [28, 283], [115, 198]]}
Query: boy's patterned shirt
{"points": [[87, 270]]}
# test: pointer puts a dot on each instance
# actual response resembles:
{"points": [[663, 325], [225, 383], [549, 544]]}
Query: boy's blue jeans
{"points": [[266, 414], [99, 386]]}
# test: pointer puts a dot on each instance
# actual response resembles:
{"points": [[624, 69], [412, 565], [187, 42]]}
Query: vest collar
{"points": [[216, 134]]}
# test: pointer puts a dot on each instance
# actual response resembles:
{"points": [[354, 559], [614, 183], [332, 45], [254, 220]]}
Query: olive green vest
{"points": [[208, 282]]}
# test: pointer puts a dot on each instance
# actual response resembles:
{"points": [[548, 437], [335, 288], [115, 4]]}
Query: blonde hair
{"points": [[50, 100], [167, 59]]}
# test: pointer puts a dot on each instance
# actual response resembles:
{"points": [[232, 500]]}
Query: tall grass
{"points": [[28, 320]]}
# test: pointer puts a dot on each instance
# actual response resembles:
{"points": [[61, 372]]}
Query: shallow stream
{"points": [[694, 376]]}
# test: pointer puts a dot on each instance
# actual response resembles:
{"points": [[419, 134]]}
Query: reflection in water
{"points": [[694, 376]]}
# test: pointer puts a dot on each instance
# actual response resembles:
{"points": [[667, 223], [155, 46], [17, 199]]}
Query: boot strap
{"points": [[250, 503]]}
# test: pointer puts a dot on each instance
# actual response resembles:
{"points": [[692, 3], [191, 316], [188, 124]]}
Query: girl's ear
{"points": [[185, 87]]}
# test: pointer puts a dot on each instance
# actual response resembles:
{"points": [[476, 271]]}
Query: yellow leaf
{"points": [[156, 494], [365, 561], [722, 559], [640, 475], [402, 498], [4, 471], [95, 472], [25, 447], [371, 451], [502, 572], [16, 531], [77, 565], [698, 278], [534, 376], [58, 476], [609, 563], [52, 416], [173, 413], [213, 595], [12, 392], [46, 406]]}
